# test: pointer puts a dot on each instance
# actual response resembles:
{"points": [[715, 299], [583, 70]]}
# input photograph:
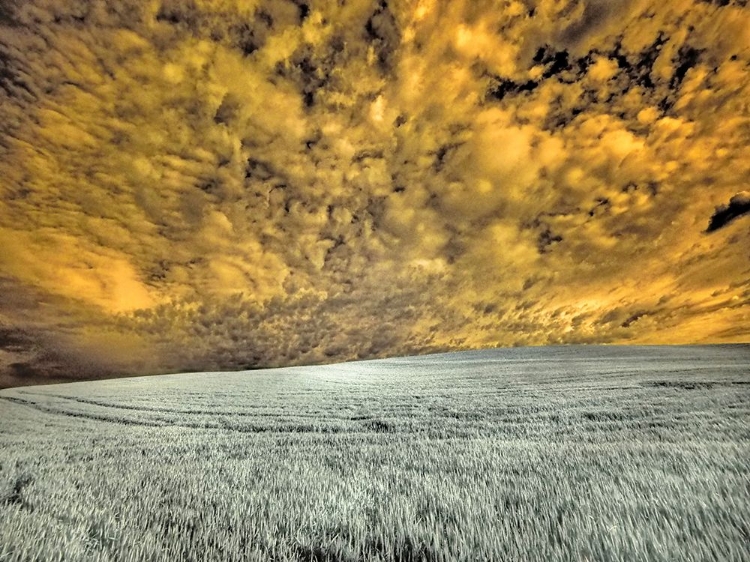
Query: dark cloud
{"points": [[383, 33], [724, 214]]}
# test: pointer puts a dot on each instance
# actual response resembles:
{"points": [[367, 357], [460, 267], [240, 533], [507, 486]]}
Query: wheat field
{"points": [[536, 454]]}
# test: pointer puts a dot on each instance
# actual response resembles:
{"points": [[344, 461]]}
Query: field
{"points": [[537, 454]]}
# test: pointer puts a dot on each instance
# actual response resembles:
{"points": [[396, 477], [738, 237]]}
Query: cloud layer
{"points": [[205, 184]]}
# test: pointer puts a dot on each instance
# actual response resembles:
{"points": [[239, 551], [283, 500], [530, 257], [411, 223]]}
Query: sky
{"points": [[223, 184]]}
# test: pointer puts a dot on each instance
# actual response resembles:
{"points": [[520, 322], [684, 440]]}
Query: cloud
{"points": [[724, 214], [234, 184]]}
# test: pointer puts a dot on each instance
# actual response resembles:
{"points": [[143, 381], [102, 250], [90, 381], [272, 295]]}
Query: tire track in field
{"points": [[82, 415], [218, 423], [154, 409]]}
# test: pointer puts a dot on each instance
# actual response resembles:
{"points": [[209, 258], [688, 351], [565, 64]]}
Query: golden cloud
{"points": [[299, 181]]}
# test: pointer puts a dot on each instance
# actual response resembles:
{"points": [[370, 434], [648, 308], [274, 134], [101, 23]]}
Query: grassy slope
{"points": [[558, 454]]}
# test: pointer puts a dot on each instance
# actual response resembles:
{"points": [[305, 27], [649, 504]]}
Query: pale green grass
{"points": [[598, 454]]}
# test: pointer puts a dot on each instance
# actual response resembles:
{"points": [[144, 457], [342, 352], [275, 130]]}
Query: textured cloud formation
{"points": [[205, 184]]}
